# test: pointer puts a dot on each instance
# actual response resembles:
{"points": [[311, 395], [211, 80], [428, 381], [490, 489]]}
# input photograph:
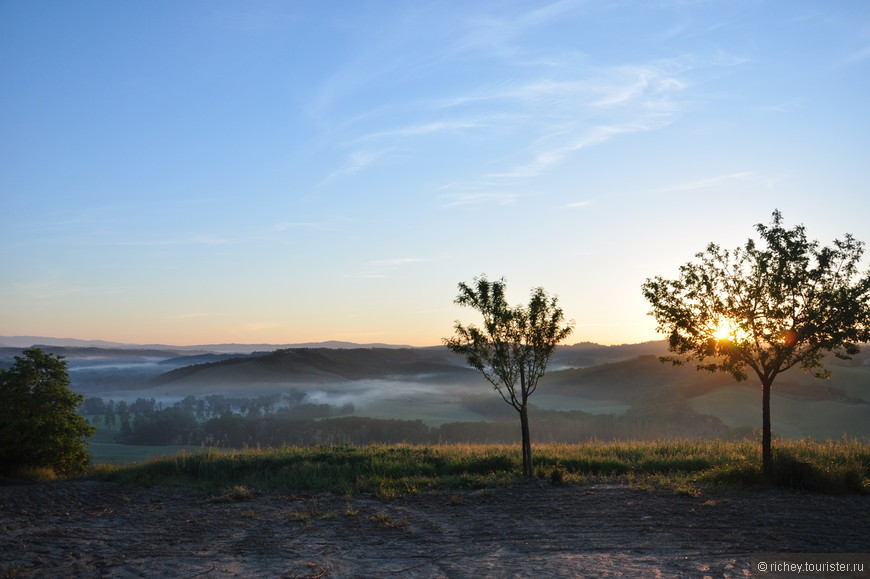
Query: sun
{"points": [[725, 330]]}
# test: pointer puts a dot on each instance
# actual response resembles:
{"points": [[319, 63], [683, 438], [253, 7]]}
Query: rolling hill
{"points": [[320, 365], [436, 385]]}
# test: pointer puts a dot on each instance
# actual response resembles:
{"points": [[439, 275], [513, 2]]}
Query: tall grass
{"points": [[842, 466]]}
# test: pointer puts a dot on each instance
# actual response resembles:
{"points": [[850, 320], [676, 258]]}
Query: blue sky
{"points": [[212, 171]]}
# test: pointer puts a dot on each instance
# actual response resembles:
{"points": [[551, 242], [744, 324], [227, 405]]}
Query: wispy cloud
{"points": [[857, 56], [788, 106], [57, 285], [578, 204], [290, 225], [479, 198], [191, 240], [356, 161], [427, 128], [383, 268], [497, 34], [259, 326], [704, 183], [545, 159], [396, 261], [190, 316], [536, 107], [40, 291], [565, 116]]}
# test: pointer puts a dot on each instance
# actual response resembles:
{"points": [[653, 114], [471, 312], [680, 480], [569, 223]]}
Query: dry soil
{"points": [[90, 529]]}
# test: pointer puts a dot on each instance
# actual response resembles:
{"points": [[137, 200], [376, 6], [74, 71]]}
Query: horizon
{"points": [[19, 339], [278, 173]]}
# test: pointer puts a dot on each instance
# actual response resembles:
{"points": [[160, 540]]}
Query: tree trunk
{"points": [[528, 468], [766, 455]]}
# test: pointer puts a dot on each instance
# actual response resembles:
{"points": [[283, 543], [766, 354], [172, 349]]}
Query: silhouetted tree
{"points": [[766, 308], [123, 410], [188, 403], [512, 347], [109, 419], [143, 405], [94, 405], [39, 423]]}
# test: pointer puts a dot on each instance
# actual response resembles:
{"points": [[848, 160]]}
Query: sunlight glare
{"points": [[725, 330]]}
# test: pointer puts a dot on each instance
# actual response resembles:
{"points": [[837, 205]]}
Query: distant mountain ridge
{"points": [[231, 348], [95, 367], [579, 354]]}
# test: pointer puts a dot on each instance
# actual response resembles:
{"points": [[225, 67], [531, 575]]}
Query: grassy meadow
{"points": [[389, 470]]}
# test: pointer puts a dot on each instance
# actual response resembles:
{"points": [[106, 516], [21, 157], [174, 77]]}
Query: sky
{"points": [[212, 171]]}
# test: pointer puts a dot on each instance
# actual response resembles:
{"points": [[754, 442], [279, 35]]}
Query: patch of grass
{"points": [[687, 491], [240, 493], [829, 467], [387, 471], [312, 511], [35, 474], [386, 521]]}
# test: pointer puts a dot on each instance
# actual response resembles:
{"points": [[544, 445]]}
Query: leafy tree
{"points": [[123, 410], [766, 308], [188, 404], [143, 405], [109, 418], [39, 425], [512, 347], [94, 405]]}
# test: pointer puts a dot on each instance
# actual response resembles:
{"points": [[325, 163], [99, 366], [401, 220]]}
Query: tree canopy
{"points": [[39, 424], [766, 307]]}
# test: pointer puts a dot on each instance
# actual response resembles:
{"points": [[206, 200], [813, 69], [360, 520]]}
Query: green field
{"points": [[104, 449], [387, 470]]}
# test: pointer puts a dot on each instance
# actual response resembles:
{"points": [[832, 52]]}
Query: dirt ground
{"points": [[90, 529]]}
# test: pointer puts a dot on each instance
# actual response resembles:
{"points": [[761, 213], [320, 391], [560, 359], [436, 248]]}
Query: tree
{"points": [[766, 308], [512, 347], [109, 418], [39, 425]]}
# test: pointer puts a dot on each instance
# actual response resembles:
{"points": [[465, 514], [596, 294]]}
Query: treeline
{"points": [[147, 421], [307, 424]]}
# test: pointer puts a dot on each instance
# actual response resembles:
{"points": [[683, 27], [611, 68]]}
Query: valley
{"points": [[591, 391]]}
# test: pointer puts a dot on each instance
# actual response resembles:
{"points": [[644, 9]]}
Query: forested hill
{"points": [[331, 364], [630, 380], [103, 369], [325, 365]]}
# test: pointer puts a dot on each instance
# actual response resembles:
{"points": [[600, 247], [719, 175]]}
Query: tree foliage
{"points": [[39, 424], [766, 307], [512, 347]]}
